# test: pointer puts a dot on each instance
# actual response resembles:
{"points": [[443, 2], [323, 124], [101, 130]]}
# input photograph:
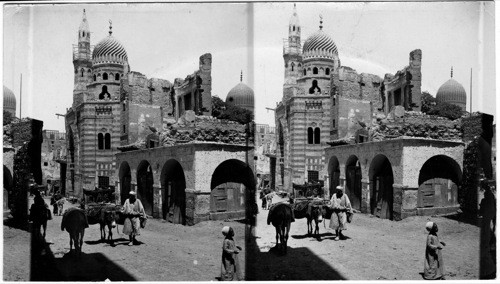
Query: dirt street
{"points": [[376, 249], [167, 252]]}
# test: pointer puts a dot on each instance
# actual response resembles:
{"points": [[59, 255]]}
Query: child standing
{"points": [[433, 265], [230, 269]]}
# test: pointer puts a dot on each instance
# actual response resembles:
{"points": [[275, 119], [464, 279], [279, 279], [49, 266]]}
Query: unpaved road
{"points": [[375, 249], [167, 252]]}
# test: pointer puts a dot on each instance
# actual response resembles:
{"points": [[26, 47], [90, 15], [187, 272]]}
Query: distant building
{"points": [[9, 101], [53, 151], [453, 93], [241, 95]]}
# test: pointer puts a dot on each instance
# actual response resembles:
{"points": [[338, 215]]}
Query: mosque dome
{"points": [[9, 101], [242, 96], [452, 92], [319, 45], [109, 50]]}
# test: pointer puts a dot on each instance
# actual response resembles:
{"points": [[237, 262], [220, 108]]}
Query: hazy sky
{"points": [[166, 40]]}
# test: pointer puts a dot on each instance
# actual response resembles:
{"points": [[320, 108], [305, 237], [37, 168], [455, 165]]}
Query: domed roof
{"points": [[319, 45], [9, 100], [241, 95], [109, 50], [452, 92]]}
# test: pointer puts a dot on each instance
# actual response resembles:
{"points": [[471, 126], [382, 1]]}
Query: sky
{"points": [[165, 41]]}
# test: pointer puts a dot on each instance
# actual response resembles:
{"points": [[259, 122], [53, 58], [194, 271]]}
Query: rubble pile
{"points": [[416, 124]]}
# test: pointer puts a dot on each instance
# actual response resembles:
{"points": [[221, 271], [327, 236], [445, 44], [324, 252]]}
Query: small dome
{"points": [[9, 101], [319, 45], [109, 50], [241, 95], [452, 92]]}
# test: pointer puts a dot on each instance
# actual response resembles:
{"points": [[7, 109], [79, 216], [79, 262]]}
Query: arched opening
{"points": [[310, 135], [314, 87], [305, 72], [381, 187], [230, 183], [293, 66], [105, 76], [315, 70], [104, 93], [145, 186], [107, 141], [125, 177], [293, 28], [82, 72], [438, 182], [7, 187], [353, 181], [317, 136], [100, 141], [173, 184], [334, 173], [95, 77], [327, 71], [117, 76]]}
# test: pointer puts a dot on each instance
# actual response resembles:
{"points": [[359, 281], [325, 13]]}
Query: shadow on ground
{"points": [[296, 264], [45, 266]]}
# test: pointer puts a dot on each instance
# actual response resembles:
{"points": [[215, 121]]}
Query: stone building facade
{"points": [[114, 106], [53, 151], [265, 145]]}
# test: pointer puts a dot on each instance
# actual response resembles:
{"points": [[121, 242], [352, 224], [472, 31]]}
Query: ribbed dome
{"points": [[9, 101], [109, 50], [452, 92], [319, 45], [241, 95]]}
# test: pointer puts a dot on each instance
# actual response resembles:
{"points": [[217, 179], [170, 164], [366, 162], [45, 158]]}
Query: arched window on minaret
{"points": [[105, 76], [305, 71], [293, 65], [117, 76], [310, 135], [317, 135], [95, 77], [83, 34], [327, 71], [100, 141], [293, 28], [107, 141], [82, 71]]}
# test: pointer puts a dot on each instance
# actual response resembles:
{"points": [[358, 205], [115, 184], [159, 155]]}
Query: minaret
{"points": [[82, 61], [292, 51]]}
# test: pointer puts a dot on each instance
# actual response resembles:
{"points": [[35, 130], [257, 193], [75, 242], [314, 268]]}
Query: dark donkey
{"points": [[104, 214], [281, 216], [312, 210], [75, 222]]}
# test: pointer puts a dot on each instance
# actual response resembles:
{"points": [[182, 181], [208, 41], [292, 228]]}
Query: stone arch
{"points": [[173, 184], [105, 76], [334, 173], [381, 187], [438, 182], [117, 76], [145, 186], [231, 182], [104, 93], [315, 70], [353, 181], [125, 177]]}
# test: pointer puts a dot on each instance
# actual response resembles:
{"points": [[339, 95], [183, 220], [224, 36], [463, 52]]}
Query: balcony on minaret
{"points": [[314, 105], [292, 47], [103, 110], [77, 55]]}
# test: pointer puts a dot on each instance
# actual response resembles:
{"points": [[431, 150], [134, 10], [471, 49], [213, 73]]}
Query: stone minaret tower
{"points": [[292, 53], [82, 61]]}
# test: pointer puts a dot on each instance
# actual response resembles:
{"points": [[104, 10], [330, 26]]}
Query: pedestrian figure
{"points": [[39, 214], [54, 203], [230, 268], [133, 211], [341, 205], [433, 265], [487, 210]]}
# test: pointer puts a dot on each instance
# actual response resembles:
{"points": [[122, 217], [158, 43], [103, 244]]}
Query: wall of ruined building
{"points": [[161, 94], [349, 113], [135, 88], [406, 156], [198, 162], [140, 118], [349, 84], [205, 74], [415, 124]]}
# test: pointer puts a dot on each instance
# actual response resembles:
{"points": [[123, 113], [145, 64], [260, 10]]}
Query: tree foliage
{"points": [[446, 110], [427, 102], [7, 117], [222, 110]]}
